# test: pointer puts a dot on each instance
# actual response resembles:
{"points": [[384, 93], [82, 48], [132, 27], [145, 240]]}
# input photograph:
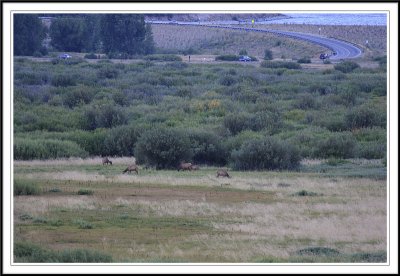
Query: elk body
{"points": [[106, 161], [185, 167], [131, 168], [223, 173]]}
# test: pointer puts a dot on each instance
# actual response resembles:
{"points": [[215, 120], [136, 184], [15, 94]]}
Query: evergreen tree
{"points": [[68, 34], [29, 33], [126, 33]]}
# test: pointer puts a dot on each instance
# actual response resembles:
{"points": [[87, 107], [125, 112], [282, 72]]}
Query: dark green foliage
{"points": [[236, 122], [94, 104], [29, 33], [104, 116], [163, 148], [267, 54], [365, 116], [63, 80], [267, 120], [78, 95], [266, 153], [207, 148], [24, 187], [120, 141], [280, 64], [68, 34], [243, 52], [126, 33], [367, 257], [25, 252], [91, 56], [227, 58], [305, 193], [85, 192], [27, 149], [107, 72], [304, 60], [346, 66], [318, 251], [339, 145]]}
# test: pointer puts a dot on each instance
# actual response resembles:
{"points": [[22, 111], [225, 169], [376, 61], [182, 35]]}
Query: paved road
{"points": [[343, 49]]}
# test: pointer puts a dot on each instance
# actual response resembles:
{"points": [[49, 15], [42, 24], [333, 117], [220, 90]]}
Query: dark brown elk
{"points": [[223, 173], [106, 161], [185, 167], [131, 168]]}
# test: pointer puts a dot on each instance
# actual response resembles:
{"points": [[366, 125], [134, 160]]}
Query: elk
{"points": [[185, 167], [106, 161], [223, 173], [131, 168]]}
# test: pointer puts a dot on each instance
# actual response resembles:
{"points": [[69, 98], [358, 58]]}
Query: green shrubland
{"points": [[214, 110]]}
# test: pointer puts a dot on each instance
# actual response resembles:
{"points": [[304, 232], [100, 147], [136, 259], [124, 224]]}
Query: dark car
{"points": [[323, 56], [244, 58]]}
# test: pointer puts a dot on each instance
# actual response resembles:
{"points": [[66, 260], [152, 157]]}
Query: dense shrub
{"points": [[120, 141], [280, 64], [78, 95], [104, 116], [23, 187], [266, 153], [267, 54], [304, 60], [91, 56], [338, 145], [365, 116], [163, 148], [346, 66], [25, 252], [371, 150], [27, 149], [63, 80], [227, 58], [207, 148], [107, 72], [236, 122]]}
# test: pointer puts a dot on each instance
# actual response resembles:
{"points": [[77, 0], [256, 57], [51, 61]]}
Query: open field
{"points": [[216, 41], [323, 212]]}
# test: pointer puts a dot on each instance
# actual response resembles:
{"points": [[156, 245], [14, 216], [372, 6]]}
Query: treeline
{"points": [[247, 117], [113, 34]]}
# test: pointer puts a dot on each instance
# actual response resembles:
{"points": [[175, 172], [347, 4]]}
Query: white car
{"points": [[245, 58], [64, 56]]}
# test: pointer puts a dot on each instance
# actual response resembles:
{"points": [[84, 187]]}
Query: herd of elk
{"points": [[181, 167]]}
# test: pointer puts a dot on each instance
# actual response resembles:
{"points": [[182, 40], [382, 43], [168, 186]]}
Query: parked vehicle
{"points": [[64, 56], [323, 56], [244, 58]]}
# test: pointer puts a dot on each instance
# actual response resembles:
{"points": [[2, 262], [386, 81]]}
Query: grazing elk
{"points": [[106, 161], [185, 167], [223, 173], [131, 168]]}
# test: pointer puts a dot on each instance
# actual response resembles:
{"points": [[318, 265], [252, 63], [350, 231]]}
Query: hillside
{"points": [[213, 16]]}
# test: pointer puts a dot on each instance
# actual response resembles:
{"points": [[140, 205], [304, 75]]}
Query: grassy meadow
{"points": [[78, 209], [305, 144]]}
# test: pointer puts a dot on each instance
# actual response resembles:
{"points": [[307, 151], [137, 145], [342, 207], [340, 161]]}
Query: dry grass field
{"points": [[321, 213], [221, 41]]}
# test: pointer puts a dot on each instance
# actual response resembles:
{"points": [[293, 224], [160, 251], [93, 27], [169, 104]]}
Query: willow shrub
{"points": [[163, 148], [27, 149], [266, 153]]}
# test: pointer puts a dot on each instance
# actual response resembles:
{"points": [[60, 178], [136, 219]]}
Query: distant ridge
{"points": [[214, 16]]}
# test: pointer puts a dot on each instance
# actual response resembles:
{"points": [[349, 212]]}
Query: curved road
{"points": [[343, 49]]}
